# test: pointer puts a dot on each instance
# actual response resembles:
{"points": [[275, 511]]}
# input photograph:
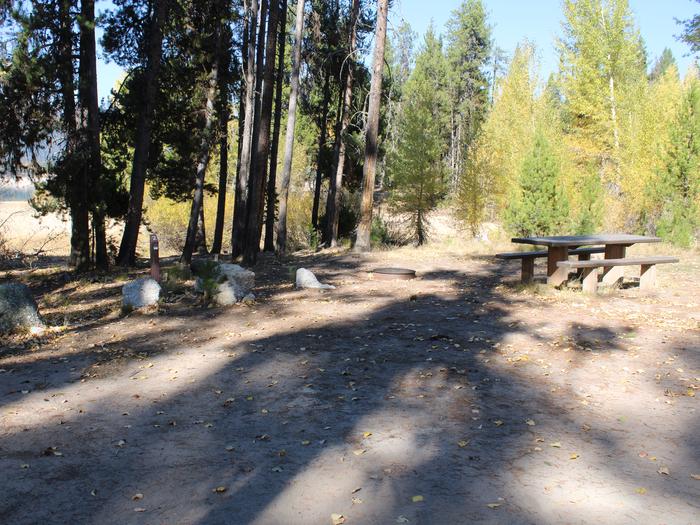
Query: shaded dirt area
{"points": [[457, 397]]}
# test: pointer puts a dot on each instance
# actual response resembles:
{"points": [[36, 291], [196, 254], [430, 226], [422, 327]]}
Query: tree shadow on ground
{"points": [[407, 400]]}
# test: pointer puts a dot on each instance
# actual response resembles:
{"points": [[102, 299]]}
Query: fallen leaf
{"points": [[24, 465], [417, 499], [93, 492], [574, 456], [585, 428], [359, 451], [137, 496], [366, 434], [337, 519], [663, 470], [641, 490], [463, 443], [498, 422], [530, 422], [695, 477], [219, 490], [402, 519], [556, 444], [494, 505], [356, 490], [139, 509], [276, 469], [356, 501], [306, 442]]}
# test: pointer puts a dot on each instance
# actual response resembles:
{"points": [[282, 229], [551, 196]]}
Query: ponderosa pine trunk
{"points": [[90, 122], [243, 176], [281, 240], [364, 228], [142, 143], [196, 212], [258, 177], [336, 182], [77, 182], [323, 124], [224, 116], [269, 245]]}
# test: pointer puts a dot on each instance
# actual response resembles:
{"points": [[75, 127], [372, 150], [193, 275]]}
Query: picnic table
{"points": [[559, 247]]}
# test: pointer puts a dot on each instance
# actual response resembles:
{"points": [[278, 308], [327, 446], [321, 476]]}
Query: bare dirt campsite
{"points": [[459, 396], [349, 262]]}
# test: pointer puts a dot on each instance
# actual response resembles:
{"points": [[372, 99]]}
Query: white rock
{"points": [[242, 278], [140, 292], [306, 279]]}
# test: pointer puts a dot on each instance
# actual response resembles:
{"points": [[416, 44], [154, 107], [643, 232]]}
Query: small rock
{"points": [[249, 299], [306, 279], [18, 309], [140, 293]]}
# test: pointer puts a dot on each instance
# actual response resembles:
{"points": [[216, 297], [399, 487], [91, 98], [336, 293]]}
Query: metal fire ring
{"points": [[393, 274]]}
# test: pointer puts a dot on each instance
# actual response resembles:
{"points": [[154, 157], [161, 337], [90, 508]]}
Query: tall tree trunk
{"points": [[77, 193], [142, 144], [200, 239], [202, 163], [336, 182], [281, 241], [241, 198], [224, 116], [364, 228], [323, 125], [258, 177], [90, 122], [269, 245]]}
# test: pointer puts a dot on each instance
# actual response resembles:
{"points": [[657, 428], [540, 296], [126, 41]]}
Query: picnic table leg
{"points": [[527, 269], [555, 275], [647, 277], [590, 280], [612, 275]]}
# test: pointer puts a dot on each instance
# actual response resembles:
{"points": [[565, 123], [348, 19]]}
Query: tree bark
{"points": [[364, 228], [281, 241], [224, 116], [336, 182], [269, 245], [321, 145], [77, 182], [142, 144], [90, 123], [202, 162], [259, 174], [200, 239], [241, 198]]}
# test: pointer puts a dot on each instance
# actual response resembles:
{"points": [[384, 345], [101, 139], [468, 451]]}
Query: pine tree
{"points": [[469, 53], [416, 167], [543, 207], [680, 180]]}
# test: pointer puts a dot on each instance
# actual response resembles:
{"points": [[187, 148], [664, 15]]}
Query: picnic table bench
{"points": [[614, 246]]}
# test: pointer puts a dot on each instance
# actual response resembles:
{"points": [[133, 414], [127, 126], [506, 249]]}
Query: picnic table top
{"points": [[584, 240]]}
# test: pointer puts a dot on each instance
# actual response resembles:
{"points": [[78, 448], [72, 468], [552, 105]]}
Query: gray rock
{"points": [[249, 299], [18, 309], [140, 292], [244, 279], [306, 279], [233, 283]]}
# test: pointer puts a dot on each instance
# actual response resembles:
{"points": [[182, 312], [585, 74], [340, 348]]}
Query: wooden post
{"points": [[155, 260], [528, 269], [590, 280], [555, 275], [647, 277], [583, 257], [612, 275]]}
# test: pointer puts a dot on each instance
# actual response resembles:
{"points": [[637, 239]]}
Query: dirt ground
{"points": [[458, 397]]}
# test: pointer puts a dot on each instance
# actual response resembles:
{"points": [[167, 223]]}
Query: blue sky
{"points": [[540, 22], [514, 20]]}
